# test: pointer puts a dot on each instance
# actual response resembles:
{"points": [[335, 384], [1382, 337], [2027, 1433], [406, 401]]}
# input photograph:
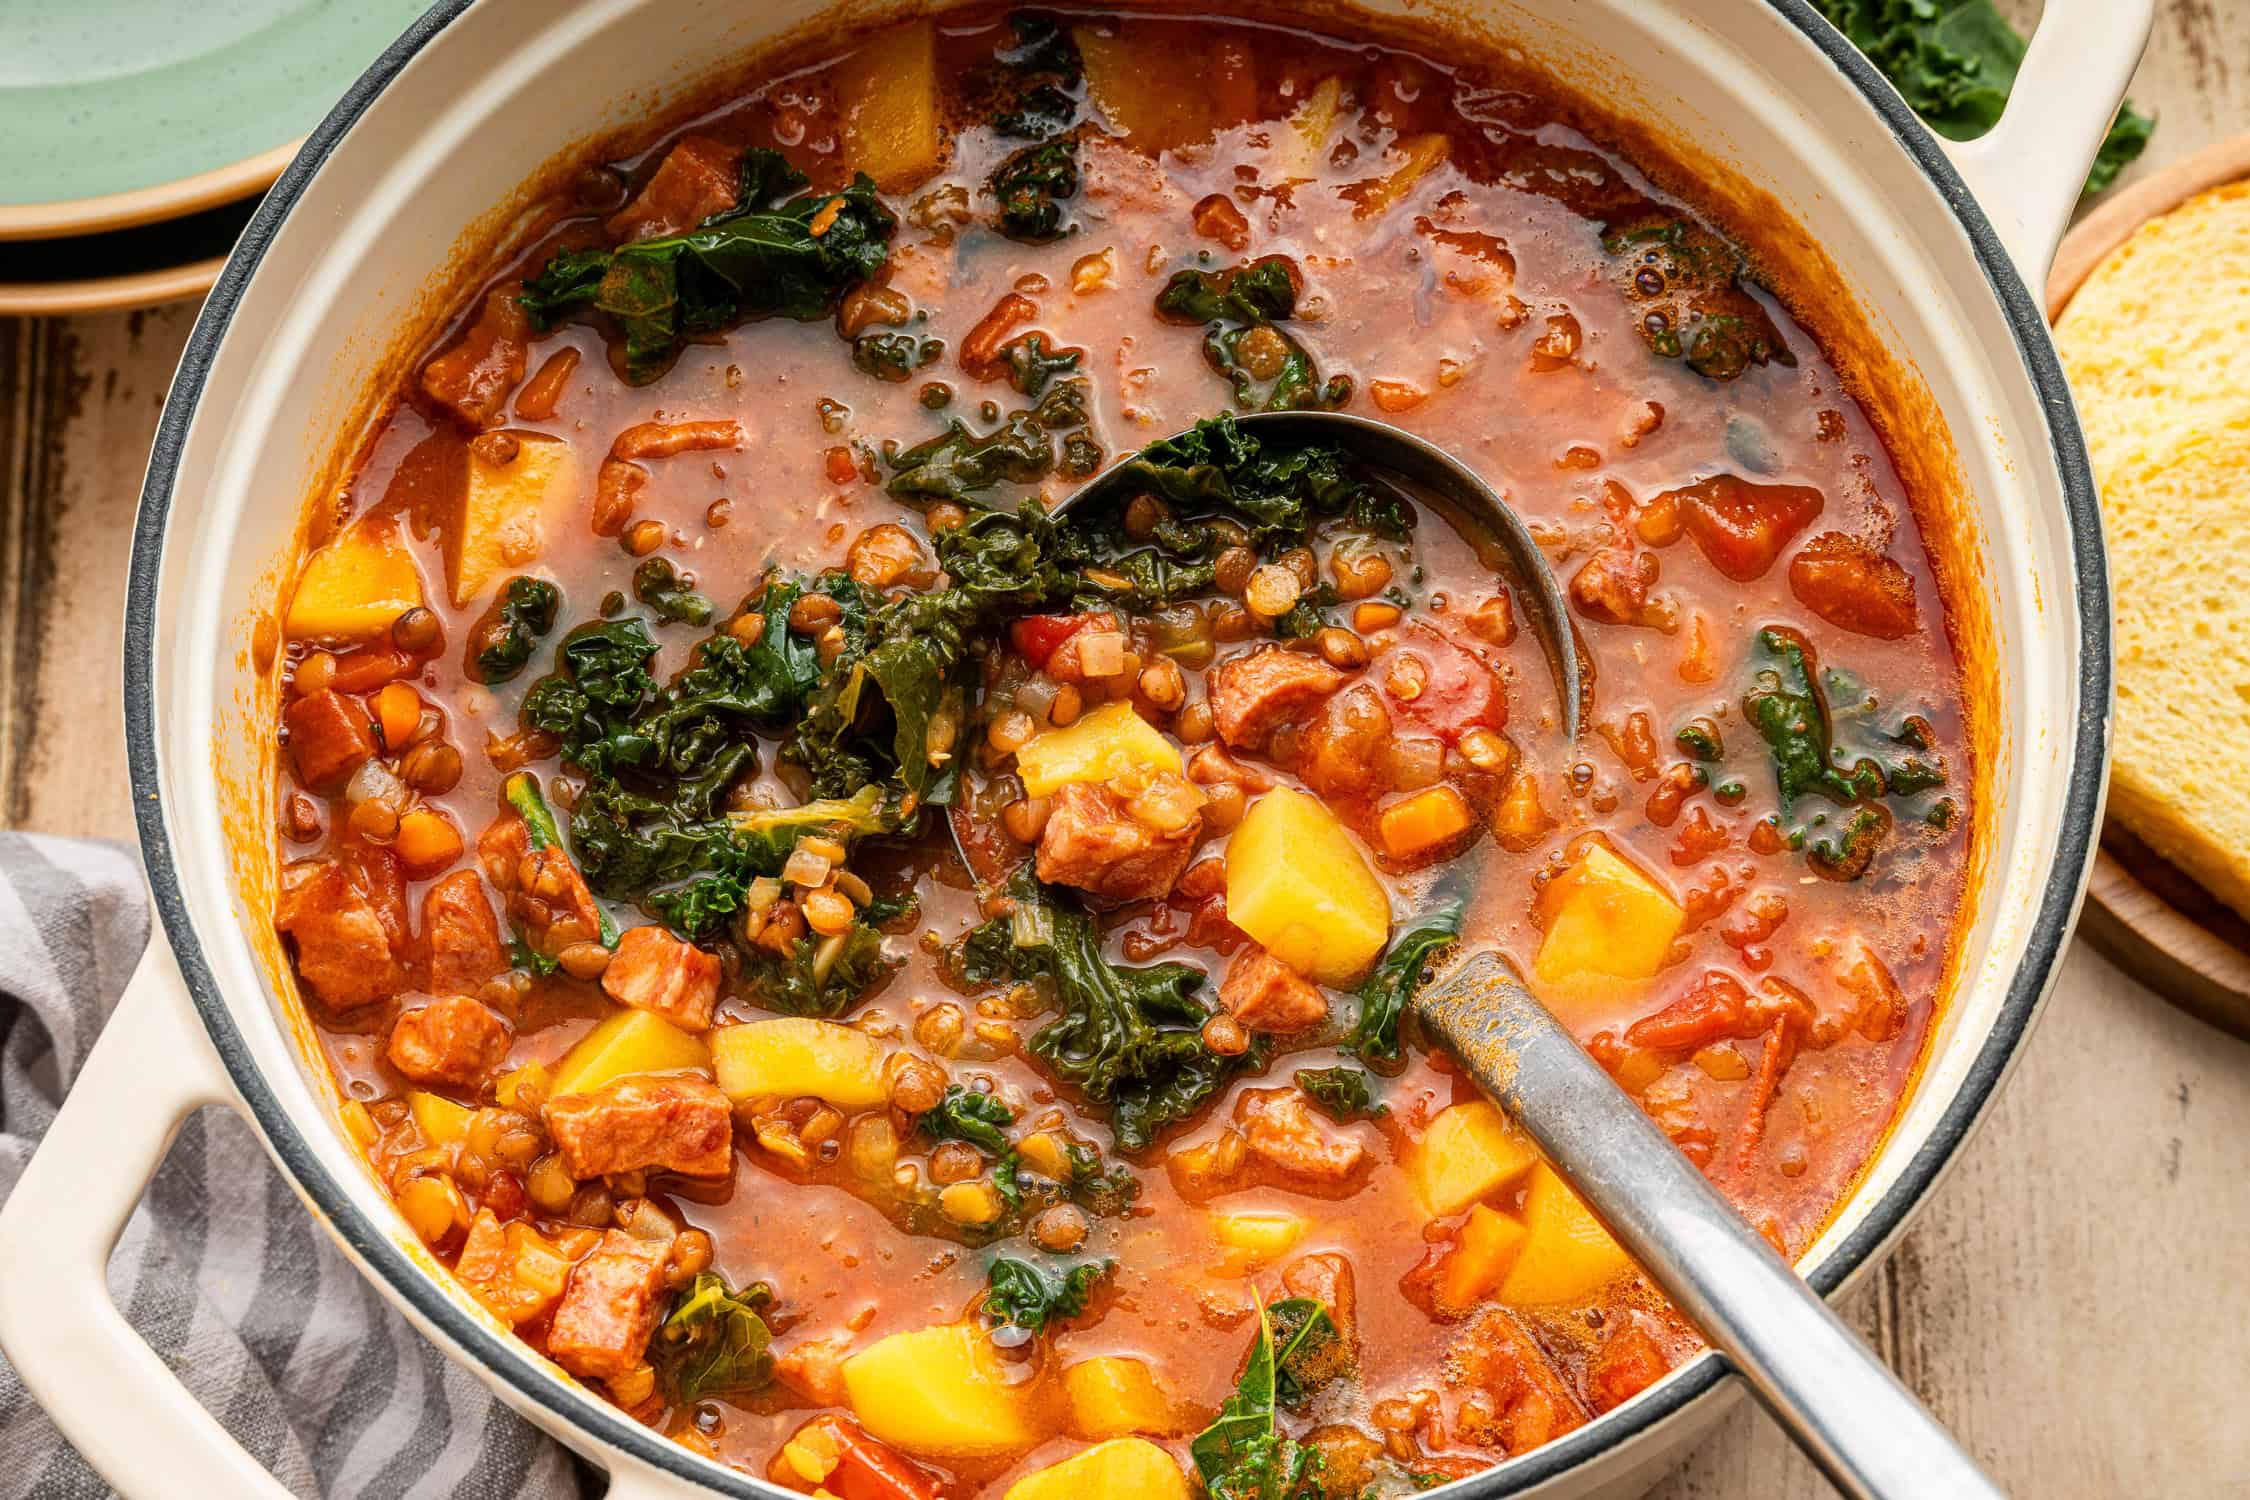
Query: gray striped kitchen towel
{"points": [[221, 1269]]}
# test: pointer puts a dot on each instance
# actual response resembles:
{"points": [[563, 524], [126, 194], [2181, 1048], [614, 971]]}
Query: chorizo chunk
{"points": [[677, 1124], [1853, 586], [1252, 694], [450, 1040], [1628, 1363], [814, 1369], [1326, 1277], [1520, 1400], [473, 377], [460, 935], [609, 1307], [1099, 842], [696, 179], [330, 736], [338, 913], [1265, 994], [1280, 1128], [655, 971], [546, 896]]}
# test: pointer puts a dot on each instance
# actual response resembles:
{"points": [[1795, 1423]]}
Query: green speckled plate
{"points": [[119, 112]]}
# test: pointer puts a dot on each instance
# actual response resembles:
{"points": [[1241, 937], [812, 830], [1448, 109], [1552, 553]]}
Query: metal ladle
{"points": [[1840, 1404]]}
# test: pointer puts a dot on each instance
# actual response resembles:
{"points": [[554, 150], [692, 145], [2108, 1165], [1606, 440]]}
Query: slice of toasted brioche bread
{"points": [[2157, 347]]}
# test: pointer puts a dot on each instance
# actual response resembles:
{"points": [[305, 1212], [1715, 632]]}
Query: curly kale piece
{"points": [[1268, 368], [1790, 713], [1032, 185], [1383, 997], [817, 979], [960, 463], [1277, 492], [1344, 1094], [762, 257], [1130, 1038], [1243, 1454], [1031, 364], [1686, 284], [966, 1115], [1030, 1296], [518, 619], [715, 1341], [894, 357], [657, 584]]}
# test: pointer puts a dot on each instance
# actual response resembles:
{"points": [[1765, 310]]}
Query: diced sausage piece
{"points": [[1265, 994], [655, 971], [1099, 842], [1741, 527], [474, 377], [697, 178], [546, 896], [1851, 585], [453, 1039], [814, 1369], [671, 1123], [346, 941], [1339, 754], [1628, 1363], [1524, 1399], [1326, 1277], [1613, 586], [460, 935], [609, 1307], [1280, 1127], [330, 736], [1210, 765], [1251, 695]]}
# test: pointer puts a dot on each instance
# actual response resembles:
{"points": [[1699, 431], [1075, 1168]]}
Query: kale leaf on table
{"points": [[1129, 1038], [1955, 62], [1268, 368], [763, 256]]}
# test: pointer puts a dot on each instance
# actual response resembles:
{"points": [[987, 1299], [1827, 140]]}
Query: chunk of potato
{"points": [[1111, 1396], [1113, 1470], [1489, 1244], [1100, 747], [1298, 885], [1311, 123], [888, 94], [629, 1042], [1254, 1238], [1418, 156], [1470, 1152], [794, 1056], [940, 1391], [441, 1121], [1567, 1255], [1158, 94], [504, 509], [351, 589], [1604, 917]]}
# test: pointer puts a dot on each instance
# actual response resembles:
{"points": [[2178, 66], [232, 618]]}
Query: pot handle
{"points": [[116, 1401], [2028, 171]]}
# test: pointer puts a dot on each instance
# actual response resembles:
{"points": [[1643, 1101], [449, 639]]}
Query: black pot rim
{"points": [[513, 1362]]}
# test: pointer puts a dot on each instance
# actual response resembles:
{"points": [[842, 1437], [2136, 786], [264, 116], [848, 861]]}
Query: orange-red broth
{"points": [[1520, 358]]}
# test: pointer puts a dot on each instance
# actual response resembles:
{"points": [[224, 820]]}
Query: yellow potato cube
{"points": [[940, 1391], [1100, 747], [441, 1121], [1489, 1244], [794, 1056], [1298, 885], [1470, 1152], [629, 1042], [1111, 1396], [1312, 122], [1417, 156], [520, 1088], [1254, 1238], [888, 93], [504, 509], [1121, 1469], [1567, 1255], [1604, 917], [1156, 93], [351, 589]]}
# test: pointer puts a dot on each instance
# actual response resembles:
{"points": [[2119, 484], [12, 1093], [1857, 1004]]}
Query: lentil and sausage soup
{"points": [[903, 989]]}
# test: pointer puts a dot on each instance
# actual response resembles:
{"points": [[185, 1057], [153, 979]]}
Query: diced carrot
{"points": [[1424, 822]]}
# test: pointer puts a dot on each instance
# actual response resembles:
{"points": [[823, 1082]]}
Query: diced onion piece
{"points": [[807, 868]]}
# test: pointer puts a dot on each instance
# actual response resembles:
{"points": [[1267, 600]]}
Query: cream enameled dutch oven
{"points": [[1931, 245]]}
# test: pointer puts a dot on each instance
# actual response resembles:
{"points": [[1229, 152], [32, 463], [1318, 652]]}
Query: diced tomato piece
{"points": [[1717, 1007], [866, 1470], [1458, 691], [1035, 637], [1741, 527], [370, 667], [1851, 585]]}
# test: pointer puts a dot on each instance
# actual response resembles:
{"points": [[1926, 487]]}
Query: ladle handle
{"points": [[1848, 1412]]}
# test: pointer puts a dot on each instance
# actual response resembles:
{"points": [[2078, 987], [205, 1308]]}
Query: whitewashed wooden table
{"points": [[2076, 1301]]}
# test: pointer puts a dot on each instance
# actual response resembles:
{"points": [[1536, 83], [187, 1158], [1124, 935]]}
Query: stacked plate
{"points": [[141, 132]]}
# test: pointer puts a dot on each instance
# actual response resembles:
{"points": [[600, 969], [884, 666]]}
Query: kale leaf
{"points": [[1243, 1454], [1041, 74], [1130, 1038], [657, 584], [758, 843], [1268, 368], [1032, 185], [714, 1343], [1031, 364], [894, 357], [1030, 1296], [1955, 61], [1789, 712], [1277, 492], [518, 619], [1308, 1351], [1383, 997], [819, 976], [1344, 1094], [966, 1115], [789, 259], [960, 462]]}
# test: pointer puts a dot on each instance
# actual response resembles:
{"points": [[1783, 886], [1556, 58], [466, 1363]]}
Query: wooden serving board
{"points": [[2162, 927]]}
